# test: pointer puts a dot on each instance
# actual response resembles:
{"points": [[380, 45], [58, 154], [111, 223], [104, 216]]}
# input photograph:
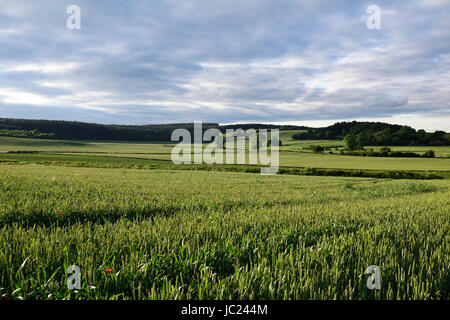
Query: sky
{"points": [[228, 61]]}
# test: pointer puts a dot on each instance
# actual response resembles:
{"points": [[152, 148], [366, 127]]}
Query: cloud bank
{"points": [[226, 61]]}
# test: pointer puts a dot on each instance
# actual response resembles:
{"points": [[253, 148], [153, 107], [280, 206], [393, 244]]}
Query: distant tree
{"points": [[301, 136], [405, 136], [429, 154], [317, 149], [447, 138], [362, 139], [350, 142], [328, 134]]}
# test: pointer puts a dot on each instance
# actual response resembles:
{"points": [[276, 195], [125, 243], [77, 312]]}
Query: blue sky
{"points": [[305, 62]]}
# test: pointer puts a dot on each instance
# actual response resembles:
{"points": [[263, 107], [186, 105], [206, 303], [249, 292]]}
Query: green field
{"points": [[167, 233], [291, 155], [441, 151], [100, 147]]}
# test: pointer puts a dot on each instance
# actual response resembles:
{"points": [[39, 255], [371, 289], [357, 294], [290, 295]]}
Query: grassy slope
{"points": [[286, 136]]}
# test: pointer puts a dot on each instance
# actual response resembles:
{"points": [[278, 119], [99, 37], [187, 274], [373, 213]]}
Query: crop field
{"points": [[158, 232], [441, 151], [232, 235], [291, 155], [100, 147]]}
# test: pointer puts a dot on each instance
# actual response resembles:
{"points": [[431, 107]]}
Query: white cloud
{"points": [[46, 67], [434, 3], [14, 96]]}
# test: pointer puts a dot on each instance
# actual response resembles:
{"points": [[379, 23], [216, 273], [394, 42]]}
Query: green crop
{"points": [[219, 235]]}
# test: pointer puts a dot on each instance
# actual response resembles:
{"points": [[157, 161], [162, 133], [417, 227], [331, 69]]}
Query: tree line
{"points": [[68, 130], [356, 135]]}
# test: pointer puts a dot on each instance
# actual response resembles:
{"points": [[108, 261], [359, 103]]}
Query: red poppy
{"points": [[109, 270]]}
